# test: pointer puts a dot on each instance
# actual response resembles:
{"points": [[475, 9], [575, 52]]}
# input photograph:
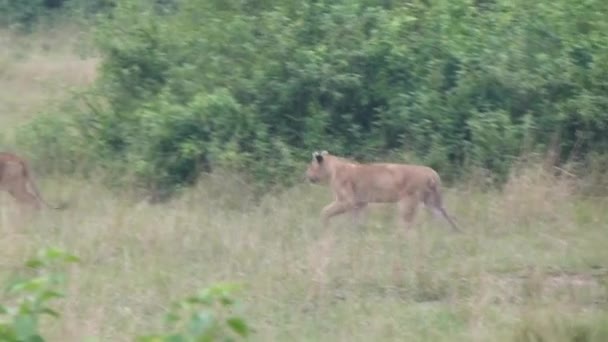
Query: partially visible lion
{"points": [[16, 179], [354, 185]]}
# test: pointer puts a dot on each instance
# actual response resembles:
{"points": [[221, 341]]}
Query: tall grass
{"points": [[531, 262]]}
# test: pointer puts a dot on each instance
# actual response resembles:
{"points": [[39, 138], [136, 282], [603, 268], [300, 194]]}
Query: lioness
{"points": [[16, 179], [354, 185]]}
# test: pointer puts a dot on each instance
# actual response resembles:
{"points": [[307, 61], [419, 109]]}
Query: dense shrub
{"points": [[257, 85], [24, 15], [23, 12]]}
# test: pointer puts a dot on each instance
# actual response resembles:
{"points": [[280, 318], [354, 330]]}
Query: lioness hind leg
{"points": [[358, 212], [407, 210]]}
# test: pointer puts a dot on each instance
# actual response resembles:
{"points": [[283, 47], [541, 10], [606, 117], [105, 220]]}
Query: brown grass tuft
{"points": [[534, 193]]}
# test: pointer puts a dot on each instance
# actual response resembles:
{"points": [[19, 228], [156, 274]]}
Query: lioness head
{"points": [[317, 170]]}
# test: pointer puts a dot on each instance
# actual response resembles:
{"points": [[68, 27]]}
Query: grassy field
{"points": [[531, 266], [37, 71]]}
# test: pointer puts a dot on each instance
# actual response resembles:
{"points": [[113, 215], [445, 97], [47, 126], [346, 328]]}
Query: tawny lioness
{"points": [[16, 179], [354, 185]]}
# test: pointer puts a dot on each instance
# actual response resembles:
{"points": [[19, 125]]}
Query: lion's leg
{"points": [[407, 210], [21, 193], [333, 209], [358, 213]]}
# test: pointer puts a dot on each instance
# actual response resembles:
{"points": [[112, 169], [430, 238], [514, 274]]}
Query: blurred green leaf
{"points": [[238, 325], [25, 327]]}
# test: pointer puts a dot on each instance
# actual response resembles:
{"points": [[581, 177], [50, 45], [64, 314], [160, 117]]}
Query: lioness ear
{"points": [[319, 157]]}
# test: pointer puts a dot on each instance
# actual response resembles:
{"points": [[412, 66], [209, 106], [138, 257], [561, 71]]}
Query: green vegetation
{"points": [[27, 15], [253, 87], [151, 93], [531, 263], [20, 323], [207, 320]]}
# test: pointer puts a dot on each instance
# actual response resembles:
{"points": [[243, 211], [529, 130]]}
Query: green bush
{"points": [[20, 13], [24, 15], [255, 86]]}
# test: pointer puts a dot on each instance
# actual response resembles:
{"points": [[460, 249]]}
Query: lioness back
{"points": [[387, 182]]}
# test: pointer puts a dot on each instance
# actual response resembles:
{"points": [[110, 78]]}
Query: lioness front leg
{"points": [[333, 209], [358, 211]]}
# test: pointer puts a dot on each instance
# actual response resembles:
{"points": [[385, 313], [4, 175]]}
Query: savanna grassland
{"points": [[532, 264]]}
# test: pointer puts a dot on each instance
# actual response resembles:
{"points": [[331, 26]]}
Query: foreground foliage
{"points": [[206, 316], [31, 295]]}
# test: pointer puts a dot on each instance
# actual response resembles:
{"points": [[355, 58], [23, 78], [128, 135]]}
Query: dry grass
{"points": [[491, 283], [531, 265], [38, 71]]}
